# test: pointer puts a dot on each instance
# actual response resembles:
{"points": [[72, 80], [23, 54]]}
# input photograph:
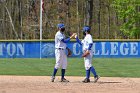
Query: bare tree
{"points": [[99, 19], [108, 7], [89, 12], [67, 2], [20, 17], [60, 10], [11, 21], [78, 27]]}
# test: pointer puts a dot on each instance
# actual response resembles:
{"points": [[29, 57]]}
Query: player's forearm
{"points": [[90, 46], [77, 39], [65, 40]]}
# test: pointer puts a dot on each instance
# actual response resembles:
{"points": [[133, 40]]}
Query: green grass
{"points": [[111, 67]]}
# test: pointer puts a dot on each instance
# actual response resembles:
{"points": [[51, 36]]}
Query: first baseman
{"points": [[87, 43], [60, 52]]}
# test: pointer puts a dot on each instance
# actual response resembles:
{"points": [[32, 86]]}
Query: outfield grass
{"points": [[111, 67]]}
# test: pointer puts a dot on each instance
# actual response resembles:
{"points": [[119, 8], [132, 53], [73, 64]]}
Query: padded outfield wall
{"points": [[101, 48]]}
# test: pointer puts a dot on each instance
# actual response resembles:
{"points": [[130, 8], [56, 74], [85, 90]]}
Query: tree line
{"points": [[108, 19]]}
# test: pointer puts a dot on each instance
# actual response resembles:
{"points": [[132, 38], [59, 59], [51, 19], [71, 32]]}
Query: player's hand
{"points": [[75, 36], [86, 53], [72, 35], [69, 52]]}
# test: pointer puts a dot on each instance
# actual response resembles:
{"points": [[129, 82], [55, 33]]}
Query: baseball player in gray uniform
{"points": [[87, 43], [60, 52]]}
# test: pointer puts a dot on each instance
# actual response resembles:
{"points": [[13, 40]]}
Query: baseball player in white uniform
{"points": [[87, 43], [60, 52]]}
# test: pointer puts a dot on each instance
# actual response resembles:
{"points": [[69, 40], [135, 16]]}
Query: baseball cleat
{"points": [[86, 80], [52, 79], [64, 80], [96, 78]]}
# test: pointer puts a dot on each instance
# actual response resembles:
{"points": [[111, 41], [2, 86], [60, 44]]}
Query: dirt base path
{"points": [[42, 84]]}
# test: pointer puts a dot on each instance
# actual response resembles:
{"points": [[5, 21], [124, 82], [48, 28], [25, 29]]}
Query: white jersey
{"points": [[58, 43], [86, 41]]}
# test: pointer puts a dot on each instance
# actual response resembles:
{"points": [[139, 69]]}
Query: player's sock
{"points": [[93, 71], [54, 72], [87, 74], [63, 73]]}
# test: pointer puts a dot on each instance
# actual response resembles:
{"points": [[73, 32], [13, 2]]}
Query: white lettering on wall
{"points": [[1, 48], [124, 49], [76, 46], [20, 48], [12, 49], [114, 48], [104, 50], [96, 52], [134, 48]]}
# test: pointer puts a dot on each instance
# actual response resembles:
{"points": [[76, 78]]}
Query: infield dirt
{"points": [[42, 84]]}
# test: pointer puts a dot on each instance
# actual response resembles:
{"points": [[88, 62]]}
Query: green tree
{"points": [[128, 11]]}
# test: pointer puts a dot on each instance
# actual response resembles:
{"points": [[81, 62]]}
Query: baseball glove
{"points": [[85, 54], [69, 52]]}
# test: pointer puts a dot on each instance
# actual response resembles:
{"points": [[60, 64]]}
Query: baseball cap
{"points": [[61, 25], [86, 28]]}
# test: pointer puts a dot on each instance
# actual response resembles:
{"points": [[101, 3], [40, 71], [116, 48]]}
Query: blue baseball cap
{"points": [[86, 28], [61, 25]]}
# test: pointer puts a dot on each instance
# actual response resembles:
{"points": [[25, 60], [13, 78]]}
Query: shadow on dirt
{"points": [[102, 82]]}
